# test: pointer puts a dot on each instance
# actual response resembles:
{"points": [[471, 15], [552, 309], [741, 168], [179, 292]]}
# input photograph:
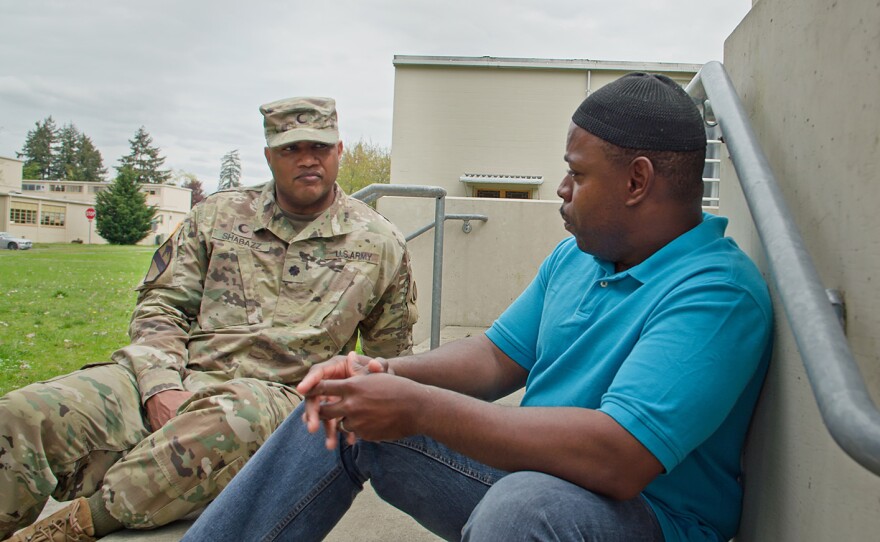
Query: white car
{"points": [[7, 240]]}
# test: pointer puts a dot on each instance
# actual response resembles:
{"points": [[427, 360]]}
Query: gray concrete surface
{"points": [[370, 519]]}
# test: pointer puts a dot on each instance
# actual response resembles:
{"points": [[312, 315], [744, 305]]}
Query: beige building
{"points": [[490, 127], [55, 211], [10, 174]]}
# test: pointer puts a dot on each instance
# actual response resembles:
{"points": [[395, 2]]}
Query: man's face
{"points": [[305, 173], [593, 197]]}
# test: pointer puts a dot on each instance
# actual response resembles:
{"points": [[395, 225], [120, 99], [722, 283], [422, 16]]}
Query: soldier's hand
{"points": [[337, 368], [163, 406]]}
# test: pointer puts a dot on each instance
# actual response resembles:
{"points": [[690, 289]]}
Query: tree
{"points": [[144, 160], [198, 191], [189, 180], [64, 159], [123, 216], [363, 165], [230, 171], [89, 162], [38, 149]]}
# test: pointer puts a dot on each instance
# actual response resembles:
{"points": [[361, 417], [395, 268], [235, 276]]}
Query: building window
{"points": [[74, 188], [33, 187], [52, 215], [501, 193], [488, 193], [57, 188], [96, 189], [23, 213], [484, 185]]}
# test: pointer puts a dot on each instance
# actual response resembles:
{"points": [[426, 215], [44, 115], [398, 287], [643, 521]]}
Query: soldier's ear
{"points": [[266, 154], [339, 148]]}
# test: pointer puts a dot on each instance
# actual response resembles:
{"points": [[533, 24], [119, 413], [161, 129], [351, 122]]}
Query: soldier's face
{"points": [[304, 173]]}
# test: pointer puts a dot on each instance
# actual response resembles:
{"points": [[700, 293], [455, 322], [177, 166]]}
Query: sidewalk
{"points": [[369, 520]]}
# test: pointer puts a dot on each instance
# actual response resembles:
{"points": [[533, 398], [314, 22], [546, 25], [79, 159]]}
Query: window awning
{"points": [[485, 178]]}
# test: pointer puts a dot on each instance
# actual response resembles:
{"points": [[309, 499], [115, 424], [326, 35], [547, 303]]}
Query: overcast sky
{"points": [[194, 72]]}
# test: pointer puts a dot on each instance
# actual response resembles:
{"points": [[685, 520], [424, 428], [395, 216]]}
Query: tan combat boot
{"points": [[73, 523]]}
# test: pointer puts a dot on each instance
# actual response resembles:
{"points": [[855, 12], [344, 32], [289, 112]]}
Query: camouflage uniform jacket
{"points": [[237, 292]]}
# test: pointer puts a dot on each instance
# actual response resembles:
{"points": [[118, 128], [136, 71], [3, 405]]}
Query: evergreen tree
{"points": [[38, 149], [144, 160], [64, 159], [124, 218], [230, 171], [363, 165], [89, 162]]}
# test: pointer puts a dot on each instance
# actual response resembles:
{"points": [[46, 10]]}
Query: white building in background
{"points": [[490, 127], [55, 211]]}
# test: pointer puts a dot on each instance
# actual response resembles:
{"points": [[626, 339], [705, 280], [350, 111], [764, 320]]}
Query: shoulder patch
{"points": [[161, 258]]}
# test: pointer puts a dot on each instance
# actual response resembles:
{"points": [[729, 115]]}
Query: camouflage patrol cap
{"points": [[300, 119]]}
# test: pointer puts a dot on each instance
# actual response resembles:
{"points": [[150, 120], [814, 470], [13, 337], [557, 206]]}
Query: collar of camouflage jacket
{"points": [[334, 221]]}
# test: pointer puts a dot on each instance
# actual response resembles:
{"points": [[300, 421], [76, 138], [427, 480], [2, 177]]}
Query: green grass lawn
{"points": [[63, 306]]}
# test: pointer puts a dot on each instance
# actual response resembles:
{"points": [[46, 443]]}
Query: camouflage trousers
{"points": [[86, 431]]}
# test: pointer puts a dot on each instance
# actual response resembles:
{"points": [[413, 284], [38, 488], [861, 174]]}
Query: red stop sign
{"points": [[90, 213]]}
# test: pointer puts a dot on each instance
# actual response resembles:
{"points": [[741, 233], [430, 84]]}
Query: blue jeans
{"points": [[295, 489]]}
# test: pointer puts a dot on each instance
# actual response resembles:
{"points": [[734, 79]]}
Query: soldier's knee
{"points": [[17, 410], [261, 405]]}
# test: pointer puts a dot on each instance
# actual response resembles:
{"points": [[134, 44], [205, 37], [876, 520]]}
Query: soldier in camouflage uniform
{"points": [[255, 286]]}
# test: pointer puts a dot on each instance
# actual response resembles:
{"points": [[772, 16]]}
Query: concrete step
{"points": [[370, 519]]}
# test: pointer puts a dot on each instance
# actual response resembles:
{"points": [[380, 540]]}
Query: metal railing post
{"points": [[437, 281], [373, 192]]}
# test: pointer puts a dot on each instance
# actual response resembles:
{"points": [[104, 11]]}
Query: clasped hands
{"points": [[359, 396]]}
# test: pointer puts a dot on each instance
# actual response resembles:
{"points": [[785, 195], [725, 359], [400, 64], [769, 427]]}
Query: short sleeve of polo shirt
{"points": [[515, 332], [698, 351]]}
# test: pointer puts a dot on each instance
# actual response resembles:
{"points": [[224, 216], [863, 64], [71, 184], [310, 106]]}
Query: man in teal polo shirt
{"points": [[642, 344]]}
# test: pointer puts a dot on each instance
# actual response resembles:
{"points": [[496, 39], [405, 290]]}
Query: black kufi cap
{"points": [[643, 111]]}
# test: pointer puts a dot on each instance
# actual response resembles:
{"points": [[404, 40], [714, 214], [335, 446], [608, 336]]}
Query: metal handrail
{"points": [[847, 409], [373, 192], [466, 227]]}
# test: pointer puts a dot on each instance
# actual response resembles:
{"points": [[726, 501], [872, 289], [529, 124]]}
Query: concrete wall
{"points": [[451, 121], [168, 196], [484, 270], [808, 73], [76, 224], [10, 174]]}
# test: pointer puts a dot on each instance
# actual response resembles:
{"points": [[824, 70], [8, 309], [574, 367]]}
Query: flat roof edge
{"points": [[541, 63]]}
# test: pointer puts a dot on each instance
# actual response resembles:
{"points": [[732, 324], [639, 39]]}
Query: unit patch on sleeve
{"points": [[161, 259]]}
